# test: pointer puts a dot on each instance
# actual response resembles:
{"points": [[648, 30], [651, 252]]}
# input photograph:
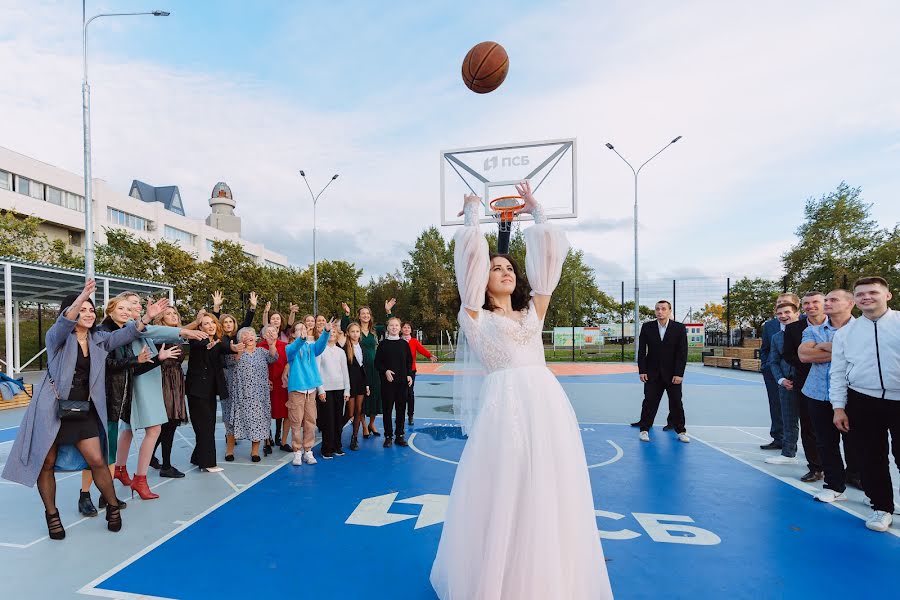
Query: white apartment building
{"points": [[31, 187]]}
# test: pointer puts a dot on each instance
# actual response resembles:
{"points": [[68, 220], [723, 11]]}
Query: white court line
{"points": [[618, 456], [90, 588], [798, 485], [228, 481], [753, 434], [411, 442]]}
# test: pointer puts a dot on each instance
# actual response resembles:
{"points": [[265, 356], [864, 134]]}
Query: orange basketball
{"points": [[485, 67]]}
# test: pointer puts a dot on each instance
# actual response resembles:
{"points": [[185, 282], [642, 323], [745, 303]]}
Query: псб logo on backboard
{"points": [[493, 162]]}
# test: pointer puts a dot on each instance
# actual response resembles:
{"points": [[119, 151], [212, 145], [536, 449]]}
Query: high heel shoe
{"points": [[121, 474], [113, 518], [54, 526], [255, 457], [139, 485]]}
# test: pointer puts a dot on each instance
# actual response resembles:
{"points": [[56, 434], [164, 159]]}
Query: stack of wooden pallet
{"points": [[20, 399], [744, 357]]}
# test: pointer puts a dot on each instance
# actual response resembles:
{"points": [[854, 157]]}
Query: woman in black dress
{"points": [[359, 387], [206, 380]]}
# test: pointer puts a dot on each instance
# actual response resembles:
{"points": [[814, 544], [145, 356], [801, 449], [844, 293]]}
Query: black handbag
{"points": [[69, 410]]}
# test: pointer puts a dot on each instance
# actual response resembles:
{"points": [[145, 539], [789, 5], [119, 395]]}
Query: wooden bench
{"points": [[19, 400]]}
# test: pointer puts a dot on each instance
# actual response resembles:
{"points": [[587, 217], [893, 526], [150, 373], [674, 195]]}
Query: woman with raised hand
{"points": [[250, 410], [148, 409], [277, 320], [303, 381], [230, 327], [277, 394], [204, 382], [170, 360], [369, 334], [64, 427], [520, 521]]}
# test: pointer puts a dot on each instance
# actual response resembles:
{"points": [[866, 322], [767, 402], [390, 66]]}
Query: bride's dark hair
{"points": [[520, 295]]}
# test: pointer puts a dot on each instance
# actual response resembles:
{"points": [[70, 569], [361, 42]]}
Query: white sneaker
{"points": [[298, 459], [830, 496], [308, 458], [645, 436], [880, 521], [782, 460], [683, 437]]}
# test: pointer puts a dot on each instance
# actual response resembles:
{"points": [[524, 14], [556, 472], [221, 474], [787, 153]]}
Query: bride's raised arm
{"points": [[546, 249], [471, 259]]}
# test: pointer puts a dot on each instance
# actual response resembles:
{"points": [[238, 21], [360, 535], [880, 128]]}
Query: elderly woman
{"points": [[250, 410], [230, 328], [58, 431]]}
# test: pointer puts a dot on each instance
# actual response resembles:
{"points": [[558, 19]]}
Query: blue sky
{"points": [[776, 102]]}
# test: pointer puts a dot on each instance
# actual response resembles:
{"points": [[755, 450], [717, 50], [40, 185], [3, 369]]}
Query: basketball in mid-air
{"points": [[485, 67]]}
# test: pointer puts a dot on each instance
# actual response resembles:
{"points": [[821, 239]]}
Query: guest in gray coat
{"points": [[76, 366]]}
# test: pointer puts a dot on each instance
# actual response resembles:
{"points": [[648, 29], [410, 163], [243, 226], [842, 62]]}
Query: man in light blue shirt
{"points": [[815, 349]]}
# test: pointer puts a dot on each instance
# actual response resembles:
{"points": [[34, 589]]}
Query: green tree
{"points": [[752, 302], [840, 240], [431, 293]]}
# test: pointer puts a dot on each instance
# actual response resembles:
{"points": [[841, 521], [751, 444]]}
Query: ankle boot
{"points": [[54, 526], [139, 485], [86, 505], [102, 504], [121, 474]]}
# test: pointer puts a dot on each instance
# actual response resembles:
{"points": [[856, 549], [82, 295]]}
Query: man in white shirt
{"points": [[865, 390]]}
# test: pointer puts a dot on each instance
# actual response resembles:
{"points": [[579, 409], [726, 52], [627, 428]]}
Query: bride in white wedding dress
{"points": [[520, 522]]}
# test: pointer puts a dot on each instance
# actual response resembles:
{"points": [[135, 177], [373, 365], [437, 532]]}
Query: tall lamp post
{"points": [[86, 119], [315, 199], [637, 290]]}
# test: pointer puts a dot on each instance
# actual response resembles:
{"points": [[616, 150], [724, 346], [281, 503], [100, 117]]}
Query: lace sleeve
{"points": [[547, 247], [471, 261]]}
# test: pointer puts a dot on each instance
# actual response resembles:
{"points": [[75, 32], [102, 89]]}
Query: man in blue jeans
{"points": [[816, 351], [769, 329], [784, 373]]}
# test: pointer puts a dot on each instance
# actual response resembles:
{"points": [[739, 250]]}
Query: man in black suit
{"points": [[662, 357], [814, 309]]}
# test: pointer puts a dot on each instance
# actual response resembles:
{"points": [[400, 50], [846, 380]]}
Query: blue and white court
{"points": [[702, 520]]}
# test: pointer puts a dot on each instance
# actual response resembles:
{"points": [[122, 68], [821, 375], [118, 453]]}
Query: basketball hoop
{"points": [[507, 207]]}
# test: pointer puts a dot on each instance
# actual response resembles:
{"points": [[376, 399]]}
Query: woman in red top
{"points": [[278, 394], [414, 346]]}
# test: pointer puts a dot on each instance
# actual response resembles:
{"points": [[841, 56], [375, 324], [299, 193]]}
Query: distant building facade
{"points": [[56, 196]]}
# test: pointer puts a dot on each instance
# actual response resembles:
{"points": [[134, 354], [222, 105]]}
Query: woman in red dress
{"points": [[278, 394]]}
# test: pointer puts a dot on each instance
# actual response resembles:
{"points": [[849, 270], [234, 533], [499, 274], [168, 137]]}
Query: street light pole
{"points": [[637, 289], [315, 199], [86, 123]]}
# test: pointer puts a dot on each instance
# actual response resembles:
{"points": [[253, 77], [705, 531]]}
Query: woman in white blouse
{"points": [[520, 522]]}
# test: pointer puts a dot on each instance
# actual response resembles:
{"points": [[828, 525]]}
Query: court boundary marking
{"points": [[807, 489], [91, 589]]}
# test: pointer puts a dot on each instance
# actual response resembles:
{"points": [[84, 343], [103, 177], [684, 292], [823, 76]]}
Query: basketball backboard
{"points": [[493, 171]]}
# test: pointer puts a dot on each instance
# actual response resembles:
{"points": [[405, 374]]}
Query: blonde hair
{"points": [[112, 304], [348, 344], [158, 319]]}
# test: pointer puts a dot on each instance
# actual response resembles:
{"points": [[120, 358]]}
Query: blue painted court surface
{"points": [[676, 520], [702, 520]]}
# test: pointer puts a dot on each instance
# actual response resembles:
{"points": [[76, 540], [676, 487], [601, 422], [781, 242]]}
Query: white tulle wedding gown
{"points": [[520, 522]]}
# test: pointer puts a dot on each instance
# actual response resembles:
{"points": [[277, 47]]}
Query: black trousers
{"points": [[828, 444], [653, 391], [807, 434], [166, 439], [411, 397], [331, 420], [203, 420], [875, 418], [393, 395]]}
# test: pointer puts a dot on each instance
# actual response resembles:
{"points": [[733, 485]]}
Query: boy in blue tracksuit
{"points": [[303, 379]]}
